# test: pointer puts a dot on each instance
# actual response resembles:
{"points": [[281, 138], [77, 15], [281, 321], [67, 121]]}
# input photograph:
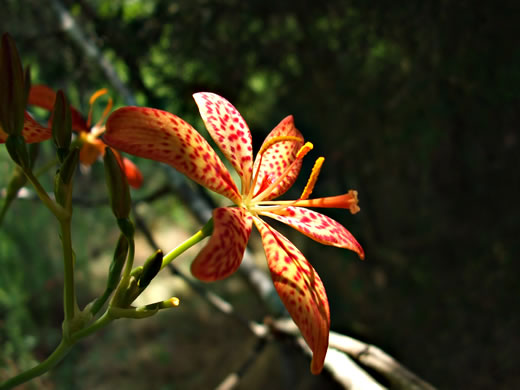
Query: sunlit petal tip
{"points": [[319, 227], [223, 253], [300, 289], [229, 131]]}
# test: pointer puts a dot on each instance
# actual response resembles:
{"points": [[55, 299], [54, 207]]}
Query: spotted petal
{"points": [[277, 158], [164, 137], [44, 97], [319, 227], [132, 173], [223, 253], [229, 131], [32, 131], [300, 289]]}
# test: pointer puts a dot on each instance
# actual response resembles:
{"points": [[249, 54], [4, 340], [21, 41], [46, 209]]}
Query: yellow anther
{"points": [[312, 178], [304, 150], [354, 208], [276, 140]]}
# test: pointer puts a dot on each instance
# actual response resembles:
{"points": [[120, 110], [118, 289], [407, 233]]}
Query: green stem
{"points": [[130, 259], [59, 211], [101, 301], [46, 167], [206, 230], [101, 322], [58, 354], [69, 295]]}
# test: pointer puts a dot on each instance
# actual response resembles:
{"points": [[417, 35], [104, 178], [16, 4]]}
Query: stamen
{"points": [[106, 111], [275, 140], [312, 178], [304, 150], [345, 201], [93, 98]]}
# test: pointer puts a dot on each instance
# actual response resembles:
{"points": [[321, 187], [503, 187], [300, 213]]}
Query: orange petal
{"points": [[223, 253], [44, 97], [161, 136], [91, 150], [277, 158], [300, 289], [229, 131], [132, 173], [319, 227], [32, 131]]}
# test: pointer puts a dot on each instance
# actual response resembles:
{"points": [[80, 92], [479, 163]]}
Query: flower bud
{"points": [[117, 185], [13, 94], [17, 149], [63, 178], [69, 166], [114, 272], [61, 125], [151, 268]]}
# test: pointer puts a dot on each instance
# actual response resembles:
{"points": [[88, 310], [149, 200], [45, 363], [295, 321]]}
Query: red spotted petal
{"points": [[32, 131], [277, 158], [229, 130], [44, 97], [161, 136], [223, 253], [300, 289], [319, 227], [132, 173]]}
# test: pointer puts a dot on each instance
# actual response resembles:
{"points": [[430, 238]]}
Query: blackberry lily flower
{"points": [[164, 137], [92, 146]]}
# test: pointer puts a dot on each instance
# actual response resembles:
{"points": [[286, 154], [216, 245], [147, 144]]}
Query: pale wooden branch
{"points": [[90, 49]]}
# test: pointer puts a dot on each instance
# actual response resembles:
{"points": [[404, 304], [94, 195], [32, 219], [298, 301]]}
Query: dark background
{"points": [[416, 105]]}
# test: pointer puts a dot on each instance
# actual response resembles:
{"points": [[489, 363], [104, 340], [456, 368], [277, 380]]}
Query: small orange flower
{"points": [[92, 146], [164, 137]]}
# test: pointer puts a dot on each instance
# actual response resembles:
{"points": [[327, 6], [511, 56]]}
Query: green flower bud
{"points": [[27, 83], [13, 95], [68, 168], [17, 149], [114, 272], [63, 178], [61, 125], [117, 185], [151, 268], [127, 227]]}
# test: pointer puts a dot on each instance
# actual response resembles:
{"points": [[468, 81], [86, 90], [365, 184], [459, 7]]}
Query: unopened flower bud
{"points": [[17, 149], [69, 166], [61, 125], [13, 95], [118, 261], [151, 268], [117, 185]]}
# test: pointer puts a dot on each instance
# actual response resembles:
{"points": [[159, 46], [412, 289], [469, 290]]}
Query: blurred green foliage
{"points": [[416, 106]]}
